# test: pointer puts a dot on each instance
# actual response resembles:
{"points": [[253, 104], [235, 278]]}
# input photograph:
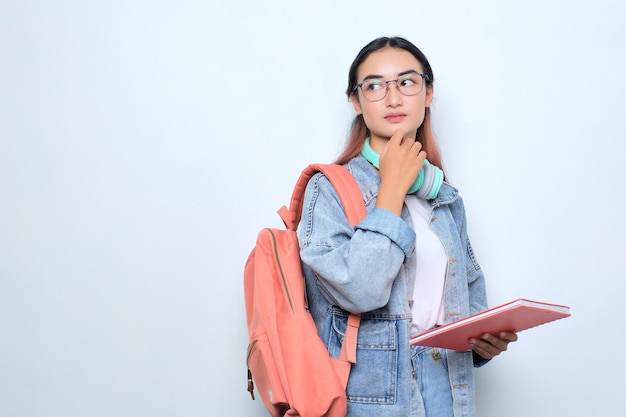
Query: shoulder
{"points": [[366, 176], [448, 194]]}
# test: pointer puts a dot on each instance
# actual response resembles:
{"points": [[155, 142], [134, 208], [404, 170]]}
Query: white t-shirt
{"points": [[431, 263]]}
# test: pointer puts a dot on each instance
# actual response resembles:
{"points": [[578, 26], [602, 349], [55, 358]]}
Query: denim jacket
{"points": [[370, 269]]}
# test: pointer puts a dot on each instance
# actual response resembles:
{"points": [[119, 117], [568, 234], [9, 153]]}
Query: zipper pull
{"points": [[250, 384]]}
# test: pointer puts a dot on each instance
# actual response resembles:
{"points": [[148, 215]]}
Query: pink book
{"points": [[514, 316]]}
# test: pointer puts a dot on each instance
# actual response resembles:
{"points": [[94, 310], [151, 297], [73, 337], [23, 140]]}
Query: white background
{"points": [[143, 144]]}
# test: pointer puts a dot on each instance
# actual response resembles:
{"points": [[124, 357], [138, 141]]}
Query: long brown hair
{"points": [[359, 130]]}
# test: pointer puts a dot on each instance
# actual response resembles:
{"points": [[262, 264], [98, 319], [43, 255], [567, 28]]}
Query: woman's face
{"points": [[395, 111]]}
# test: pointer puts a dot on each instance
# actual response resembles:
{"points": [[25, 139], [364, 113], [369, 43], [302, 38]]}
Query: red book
{"points": [[515, 316]]}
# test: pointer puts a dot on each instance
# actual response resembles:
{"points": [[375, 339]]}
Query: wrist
{"points": [[390, 198]]}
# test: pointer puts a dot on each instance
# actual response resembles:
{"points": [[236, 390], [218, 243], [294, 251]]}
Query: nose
{"points": [[394, 96]]}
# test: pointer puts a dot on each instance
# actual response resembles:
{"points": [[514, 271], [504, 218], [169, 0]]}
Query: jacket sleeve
{"points": [[356, 267]]}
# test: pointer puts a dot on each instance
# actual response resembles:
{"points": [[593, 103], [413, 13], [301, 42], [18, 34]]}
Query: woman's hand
{"points": [[489, 346], [400, 162]]}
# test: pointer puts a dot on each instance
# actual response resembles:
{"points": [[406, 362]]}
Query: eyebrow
{"points": [[375, 76]]}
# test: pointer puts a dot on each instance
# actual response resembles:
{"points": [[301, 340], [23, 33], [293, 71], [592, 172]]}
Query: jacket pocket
{"points": [[373, 378]]}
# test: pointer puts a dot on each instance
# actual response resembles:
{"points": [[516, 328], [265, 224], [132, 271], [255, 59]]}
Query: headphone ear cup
{"points": [[433, 178], [419, 182]]}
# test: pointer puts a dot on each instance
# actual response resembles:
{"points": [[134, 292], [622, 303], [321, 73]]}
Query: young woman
{"points": [[408, 266]]}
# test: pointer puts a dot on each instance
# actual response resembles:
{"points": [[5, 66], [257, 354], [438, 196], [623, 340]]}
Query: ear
{"points": [[354, 98], [430, 91]]}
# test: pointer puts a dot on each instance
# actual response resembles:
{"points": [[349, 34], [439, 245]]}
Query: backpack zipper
{"points": [[280, 269], [250, 382]]}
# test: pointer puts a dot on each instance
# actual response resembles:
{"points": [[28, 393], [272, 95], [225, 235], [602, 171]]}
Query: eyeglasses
{"points": [[409, 84]]}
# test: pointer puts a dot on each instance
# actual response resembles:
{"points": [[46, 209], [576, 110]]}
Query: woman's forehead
{"points": [[388, 62]]}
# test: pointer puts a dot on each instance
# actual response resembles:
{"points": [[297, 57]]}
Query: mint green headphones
{"points": [[428, 181]]}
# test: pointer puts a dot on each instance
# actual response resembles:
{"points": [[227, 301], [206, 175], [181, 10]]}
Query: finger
{"points": [[485, 345], [508, 336], [484, 349], [417, 149], [409, 143], [496, 341], [397, 138], [395, 141], [415, 145]]}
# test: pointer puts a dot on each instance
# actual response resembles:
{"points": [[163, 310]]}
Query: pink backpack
{"points": [[287, 361]]}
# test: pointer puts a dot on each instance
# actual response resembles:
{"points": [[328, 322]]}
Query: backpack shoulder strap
{"points": [[343, 182], [354, 208]]}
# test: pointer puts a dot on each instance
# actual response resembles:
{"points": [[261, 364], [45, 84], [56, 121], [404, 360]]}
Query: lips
{"points": [[395, 117]]}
